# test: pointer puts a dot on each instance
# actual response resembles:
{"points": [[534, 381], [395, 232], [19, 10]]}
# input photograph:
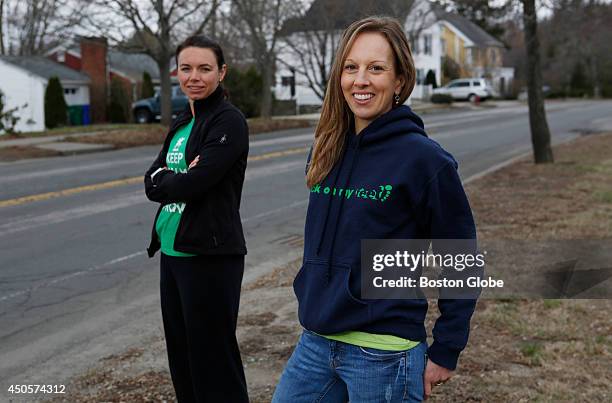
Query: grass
{"points": [[605, 196], [256, 125], [125, 135], [533, 351], [79, 130], [551, 303]]}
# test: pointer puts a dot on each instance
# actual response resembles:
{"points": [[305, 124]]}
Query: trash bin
{"points": [[75, 115], [86, 117]]}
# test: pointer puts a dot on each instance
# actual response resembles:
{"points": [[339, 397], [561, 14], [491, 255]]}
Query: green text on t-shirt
{"points": [[170, 215]]}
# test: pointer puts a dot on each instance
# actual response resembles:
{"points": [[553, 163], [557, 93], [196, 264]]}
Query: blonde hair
{"points": [[336, 116]]}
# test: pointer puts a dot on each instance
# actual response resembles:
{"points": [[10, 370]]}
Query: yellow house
{"points": [[471, 50], [451, 46]]}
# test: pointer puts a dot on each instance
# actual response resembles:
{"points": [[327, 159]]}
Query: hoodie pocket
{"points": [[326, 305]]}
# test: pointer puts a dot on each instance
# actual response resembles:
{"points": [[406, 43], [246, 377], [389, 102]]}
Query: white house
{"points": [[423, 30], [23, 80], [435, 35]]}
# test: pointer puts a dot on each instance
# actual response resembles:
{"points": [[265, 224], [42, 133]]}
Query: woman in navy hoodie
{"points": [[373, 174]]}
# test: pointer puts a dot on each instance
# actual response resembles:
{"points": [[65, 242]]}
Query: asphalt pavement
{"points": [[75, 282]]}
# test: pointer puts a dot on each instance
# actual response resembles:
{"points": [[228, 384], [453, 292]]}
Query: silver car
{"points": [[467, 89]]}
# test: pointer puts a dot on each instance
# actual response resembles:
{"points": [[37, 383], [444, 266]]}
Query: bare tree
{"points": [[31, 27], [153, 27], [312, 38], [263, 20], [576, 38], [540, 133], [314, 48], [2, 27]]}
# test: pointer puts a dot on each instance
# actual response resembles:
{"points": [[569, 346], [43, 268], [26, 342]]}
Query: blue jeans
{"points": [[323, 370]]}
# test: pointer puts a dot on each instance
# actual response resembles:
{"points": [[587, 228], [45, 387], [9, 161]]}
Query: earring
{"points": [[397, 99]]}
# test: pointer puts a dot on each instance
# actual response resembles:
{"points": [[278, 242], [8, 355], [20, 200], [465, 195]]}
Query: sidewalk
{"points": [[58, 144], [426, 107]]}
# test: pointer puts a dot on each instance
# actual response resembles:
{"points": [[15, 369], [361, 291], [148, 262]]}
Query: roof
{"points": [[123, 63], [479, 36], [133, 64], [46, 68], [338, 14]]}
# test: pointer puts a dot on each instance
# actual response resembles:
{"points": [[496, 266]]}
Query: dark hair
{"points": [[201, 41]]}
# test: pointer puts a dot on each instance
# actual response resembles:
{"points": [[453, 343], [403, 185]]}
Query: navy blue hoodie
{"points": [[392, 182]]}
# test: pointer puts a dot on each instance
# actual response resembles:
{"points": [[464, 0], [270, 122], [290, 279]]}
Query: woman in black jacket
{"points": [[197, 178]]}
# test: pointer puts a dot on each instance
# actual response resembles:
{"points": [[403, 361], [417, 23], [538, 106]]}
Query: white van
{"points": [[467, 89]]}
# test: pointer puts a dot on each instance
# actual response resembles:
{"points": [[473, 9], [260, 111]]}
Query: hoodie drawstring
{"points": [[322, 236], [335, 226]]}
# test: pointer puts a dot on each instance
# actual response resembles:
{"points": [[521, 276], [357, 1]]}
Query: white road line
{"points": [[145, 161], [276, 211], [24, 223], [76, 168], [496, 167], [72, 275], [131, 256], [284, 140], [19, 224]]}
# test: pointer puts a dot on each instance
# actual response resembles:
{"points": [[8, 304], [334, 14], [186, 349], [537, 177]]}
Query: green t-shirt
{"points": [[170, 216], [378, 341]]}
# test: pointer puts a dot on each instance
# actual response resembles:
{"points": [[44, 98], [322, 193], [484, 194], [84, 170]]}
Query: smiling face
{"points": [[198, 72], [369, 80]]}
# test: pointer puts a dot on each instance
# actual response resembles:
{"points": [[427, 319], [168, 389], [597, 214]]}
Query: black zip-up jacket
{"points": [[210, 223]]}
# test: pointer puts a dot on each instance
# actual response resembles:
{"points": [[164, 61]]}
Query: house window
{"points": [[61, 56], [493, 56], [420, 77], [468, 56], [70, 91], [427, 44], [443, 45], [289, 81], [414, 44]]}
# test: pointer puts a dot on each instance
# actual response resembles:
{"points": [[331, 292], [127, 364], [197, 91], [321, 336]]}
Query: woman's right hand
{"points": [[194, 162]]}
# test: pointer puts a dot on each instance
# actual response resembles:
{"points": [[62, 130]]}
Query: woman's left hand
{"points": [[194, 162], [435, 375]]}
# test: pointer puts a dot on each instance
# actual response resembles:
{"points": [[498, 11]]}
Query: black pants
{"points": [[199, 300]]}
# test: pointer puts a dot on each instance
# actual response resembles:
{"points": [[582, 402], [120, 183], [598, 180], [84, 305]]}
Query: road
{"points": [[75, 282]]}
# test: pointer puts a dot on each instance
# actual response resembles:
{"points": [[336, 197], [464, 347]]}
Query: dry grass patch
{"points": [[153, 134], [569, 199], [140, 136], [542, 350], [15, 153]]}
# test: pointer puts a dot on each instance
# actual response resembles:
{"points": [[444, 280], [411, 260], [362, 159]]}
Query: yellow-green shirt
{"points": [[378, 341]]}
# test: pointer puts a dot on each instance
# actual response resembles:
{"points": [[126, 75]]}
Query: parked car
{"points": [[467, 89], [149, 109]]}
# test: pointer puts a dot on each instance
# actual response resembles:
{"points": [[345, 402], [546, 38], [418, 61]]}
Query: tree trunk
{"points": [[594, 75], [2, 27], [540, 134], [266, 98], [166, 90]]}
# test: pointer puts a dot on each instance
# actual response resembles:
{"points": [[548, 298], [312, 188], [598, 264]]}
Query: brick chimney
{"points": [[93, 63]]}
